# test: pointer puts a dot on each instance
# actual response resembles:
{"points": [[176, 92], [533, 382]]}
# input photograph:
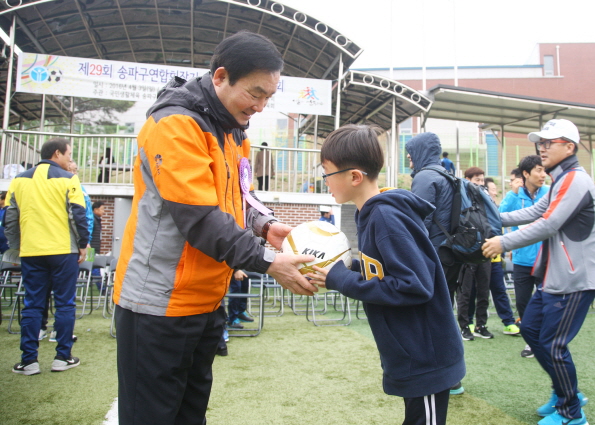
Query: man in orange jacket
{"points": [[188, 231]]}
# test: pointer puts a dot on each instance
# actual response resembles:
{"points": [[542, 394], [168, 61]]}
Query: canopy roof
{"points": [[170, 32], [368, 98], [513, 113]]}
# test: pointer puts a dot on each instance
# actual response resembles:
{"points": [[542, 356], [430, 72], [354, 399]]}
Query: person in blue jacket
{"points": [[447, 164], [399, 278], [526, 192]]}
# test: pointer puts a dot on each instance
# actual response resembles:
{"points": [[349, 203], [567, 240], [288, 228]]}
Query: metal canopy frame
{"points": [[171, 32], [510, 113]]}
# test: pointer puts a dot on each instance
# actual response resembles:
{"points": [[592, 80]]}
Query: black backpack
{"points": [[474, 218]]}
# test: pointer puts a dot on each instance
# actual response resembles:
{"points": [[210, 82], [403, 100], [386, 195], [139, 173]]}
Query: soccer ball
{"points": [[323, 240], [55, 75]]}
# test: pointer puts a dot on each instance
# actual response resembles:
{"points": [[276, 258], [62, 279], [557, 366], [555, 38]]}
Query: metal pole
{"points": [[591, 153], [458, 152], [316, 132], [42, 119], [6, 119], [503, 141], [394, 149], [339, 80], [72, 114]]}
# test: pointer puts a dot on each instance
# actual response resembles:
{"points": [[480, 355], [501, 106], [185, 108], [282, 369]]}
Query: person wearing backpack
{"points": [[431, 183], [478, 276], [526, 192], [564, 220]]}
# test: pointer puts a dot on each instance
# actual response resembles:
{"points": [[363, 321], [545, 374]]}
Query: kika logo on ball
{"points": [[322, 240]]}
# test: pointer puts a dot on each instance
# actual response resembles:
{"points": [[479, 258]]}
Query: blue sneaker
{"points": [[225, 335], [550, 407], [558, 419]]}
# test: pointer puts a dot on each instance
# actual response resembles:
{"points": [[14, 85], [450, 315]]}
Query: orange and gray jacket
{"points": [[565, 220], [185, 234], [46, 212]]}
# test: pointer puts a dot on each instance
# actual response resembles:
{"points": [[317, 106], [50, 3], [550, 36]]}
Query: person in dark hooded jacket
{"points": [[424, 155], [399, 278]]}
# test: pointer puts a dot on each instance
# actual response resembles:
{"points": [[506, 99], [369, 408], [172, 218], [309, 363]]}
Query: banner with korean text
{"points": [[103, 79]]}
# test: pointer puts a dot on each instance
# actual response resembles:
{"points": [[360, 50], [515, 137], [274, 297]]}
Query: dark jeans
{"points": [[451, 273], [263, 182], [549, 324], [478, 275], [237, 305], [165, 366], [499, 295], [524, 284], [38, 272]]}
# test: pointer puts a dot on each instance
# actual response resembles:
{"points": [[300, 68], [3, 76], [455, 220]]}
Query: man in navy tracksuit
{"points": [[399, 278], [565, 221]]}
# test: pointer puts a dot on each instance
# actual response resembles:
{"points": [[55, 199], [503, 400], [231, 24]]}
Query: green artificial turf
{"points": [[293, 373]]}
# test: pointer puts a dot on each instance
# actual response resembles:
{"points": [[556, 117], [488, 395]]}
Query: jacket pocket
{"points": [[567, 255]]}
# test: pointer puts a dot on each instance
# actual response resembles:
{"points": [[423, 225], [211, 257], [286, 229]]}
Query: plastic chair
{"points": [[83, 283]]}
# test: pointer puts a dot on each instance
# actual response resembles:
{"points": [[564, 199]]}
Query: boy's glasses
{"points": [[548, 143], [324, 176]]}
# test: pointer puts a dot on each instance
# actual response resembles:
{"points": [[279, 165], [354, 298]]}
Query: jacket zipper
{"points": [[567, 256], [229, 176]]}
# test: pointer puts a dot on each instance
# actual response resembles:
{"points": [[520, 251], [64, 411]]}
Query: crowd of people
{"points": [[197, 225]]}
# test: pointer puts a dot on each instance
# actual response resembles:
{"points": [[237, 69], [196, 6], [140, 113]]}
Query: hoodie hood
{"points": [[424, 150], [196, 95], [401, 200]]}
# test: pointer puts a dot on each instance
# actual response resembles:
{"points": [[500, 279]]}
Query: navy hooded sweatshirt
{"points": [[405, 296], [429, 185]]}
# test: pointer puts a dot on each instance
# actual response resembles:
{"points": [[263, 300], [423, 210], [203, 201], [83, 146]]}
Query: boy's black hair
{"points": [[444, 154], [246, 52], [473, 171], [98, 204], [516, 173], [354, 146], [3, 196], [53, 145], [488, 180], [528, 163]]}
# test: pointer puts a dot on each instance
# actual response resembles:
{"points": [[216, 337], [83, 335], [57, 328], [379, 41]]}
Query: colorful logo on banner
{"points": [[40, 70]]}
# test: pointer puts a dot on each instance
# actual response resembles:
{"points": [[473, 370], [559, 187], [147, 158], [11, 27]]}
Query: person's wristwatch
{"points": [[265, 229]]}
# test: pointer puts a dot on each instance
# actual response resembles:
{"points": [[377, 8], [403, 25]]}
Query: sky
{"points": [[449, 32]]}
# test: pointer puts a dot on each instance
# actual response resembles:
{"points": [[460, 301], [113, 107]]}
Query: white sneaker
{"points": [[42, 334], [27, 369], [60, 363], [53, 336]]}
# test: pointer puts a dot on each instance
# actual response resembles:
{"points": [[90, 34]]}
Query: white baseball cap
{"points": [[325, 208], [556, 129]]}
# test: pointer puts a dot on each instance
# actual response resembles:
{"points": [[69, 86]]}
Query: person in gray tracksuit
{"points": [[565, 221]]}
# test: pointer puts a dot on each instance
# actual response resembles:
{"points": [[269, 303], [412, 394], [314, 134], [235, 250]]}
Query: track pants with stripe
{"points": [[549, 324], [42, 274], [427, 410]]}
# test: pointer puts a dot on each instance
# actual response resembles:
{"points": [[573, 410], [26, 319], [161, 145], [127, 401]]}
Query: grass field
{"points": [[293, 373]]}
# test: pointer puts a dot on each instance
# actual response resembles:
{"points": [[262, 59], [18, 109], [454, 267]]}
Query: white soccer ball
{"points": [[323, 240]]}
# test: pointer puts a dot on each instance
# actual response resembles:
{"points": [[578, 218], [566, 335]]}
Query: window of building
{"points": [[406, 127], [548, 65]]}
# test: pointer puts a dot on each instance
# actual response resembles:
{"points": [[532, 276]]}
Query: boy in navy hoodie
{"points": [[398, 277]]}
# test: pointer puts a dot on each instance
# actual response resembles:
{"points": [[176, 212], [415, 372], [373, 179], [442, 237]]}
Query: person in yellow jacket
{"points": [[46, 220], [188, 231]]}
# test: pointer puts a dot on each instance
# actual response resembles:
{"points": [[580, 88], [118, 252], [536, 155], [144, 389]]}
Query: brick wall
{"points": [[294, 214], [107, 222]]}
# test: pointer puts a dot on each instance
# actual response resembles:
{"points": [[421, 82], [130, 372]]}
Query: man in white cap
{"points": [[565, 221]]}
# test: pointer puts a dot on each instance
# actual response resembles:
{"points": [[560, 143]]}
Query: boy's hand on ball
{"points": [[284, 270], [277, 233], [318, 278]]}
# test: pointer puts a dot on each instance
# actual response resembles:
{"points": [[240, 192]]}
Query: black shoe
{"points": [[61, 364], [466, 333], [222, 351], [482, 332], [527, 353], [29, 368], [244, 317], [235, 325]]}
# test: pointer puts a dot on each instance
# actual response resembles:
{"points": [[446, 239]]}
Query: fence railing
{"points": [[109, 158]]}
